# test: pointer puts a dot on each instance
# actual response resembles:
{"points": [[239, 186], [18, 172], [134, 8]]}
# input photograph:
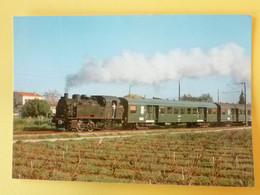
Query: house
{"points": [[20, 98]]}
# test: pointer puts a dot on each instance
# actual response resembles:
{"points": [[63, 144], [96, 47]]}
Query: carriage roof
{"points": [[169, 103]]}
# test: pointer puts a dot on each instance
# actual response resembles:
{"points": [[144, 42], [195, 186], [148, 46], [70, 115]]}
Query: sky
{"points": [[148, 54]]}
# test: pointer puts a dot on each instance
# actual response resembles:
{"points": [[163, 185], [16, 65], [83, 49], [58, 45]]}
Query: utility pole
{"points": [[218, 95], [179, 89], [244, 83], [129, 90]]}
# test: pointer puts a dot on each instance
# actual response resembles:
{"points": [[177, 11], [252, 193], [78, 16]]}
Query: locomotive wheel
{"points": [[90, 126], [81, 126]]}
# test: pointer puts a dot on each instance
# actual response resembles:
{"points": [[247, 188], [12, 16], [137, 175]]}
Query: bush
{"points": [[32, 124], [36, 108]]}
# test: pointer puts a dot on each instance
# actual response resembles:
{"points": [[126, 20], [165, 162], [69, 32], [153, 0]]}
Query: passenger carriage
{"points": [[233, 113], [147, 112]]}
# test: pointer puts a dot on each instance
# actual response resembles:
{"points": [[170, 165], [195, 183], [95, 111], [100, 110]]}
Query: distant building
{"points": [[20, 98]]}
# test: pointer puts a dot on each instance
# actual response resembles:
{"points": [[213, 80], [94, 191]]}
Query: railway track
{"points": [[114, 134], [115, 130]]}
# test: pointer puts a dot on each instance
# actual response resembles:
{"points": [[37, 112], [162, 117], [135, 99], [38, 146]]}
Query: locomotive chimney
{"points": [[66, 95]]}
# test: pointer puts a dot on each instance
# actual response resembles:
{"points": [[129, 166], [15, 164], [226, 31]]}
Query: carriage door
{"points": [[234, 112], [202, 114], [205, 111], [151, 115]]}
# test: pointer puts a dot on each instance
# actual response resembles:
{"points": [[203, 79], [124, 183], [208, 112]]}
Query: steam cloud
{"points": [[135, 68]]}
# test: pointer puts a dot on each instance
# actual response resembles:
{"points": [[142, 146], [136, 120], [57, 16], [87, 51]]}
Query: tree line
{"points": [[203, 98]]}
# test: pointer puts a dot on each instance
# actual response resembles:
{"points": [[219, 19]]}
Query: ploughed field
{"points": [[182, 157]]}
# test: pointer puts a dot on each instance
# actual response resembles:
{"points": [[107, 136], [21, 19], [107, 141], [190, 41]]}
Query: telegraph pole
{"points": [[179, 89], [129, 90], [218, 95], [244, 83]]}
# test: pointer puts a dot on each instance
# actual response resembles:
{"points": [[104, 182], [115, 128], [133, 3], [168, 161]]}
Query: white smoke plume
{"points": [[227, 60]]}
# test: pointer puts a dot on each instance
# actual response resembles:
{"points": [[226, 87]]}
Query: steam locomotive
{"points": [[81, 113]]}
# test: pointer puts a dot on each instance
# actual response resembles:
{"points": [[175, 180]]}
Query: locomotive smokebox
{"points": [[66, 95]]}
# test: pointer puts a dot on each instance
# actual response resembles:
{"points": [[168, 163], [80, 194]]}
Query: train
{"points": [[97, 112]]}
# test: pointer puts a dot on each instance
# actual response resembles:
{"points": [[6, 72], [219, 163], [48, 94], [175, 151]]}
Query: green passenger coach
{"points": [[157, 111], [233, 113]]}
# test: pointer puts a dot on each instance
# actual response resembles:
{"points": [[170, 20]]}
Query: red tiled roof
{"points": [[28, 94]]}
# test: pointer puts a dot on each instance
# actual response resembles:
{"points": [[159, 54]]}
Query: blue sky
{"points": [[49, 48]]}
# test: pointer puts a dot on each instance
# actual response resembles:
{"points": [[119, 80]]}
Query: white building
{"points": [[20, 98]]}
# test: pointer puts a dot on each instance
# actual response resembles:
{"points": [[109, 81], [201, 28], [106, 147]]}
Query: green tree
{"points": [[133, 96], [206, 97], [36, 108], [187, 97], [242, 98], [203, 98]]}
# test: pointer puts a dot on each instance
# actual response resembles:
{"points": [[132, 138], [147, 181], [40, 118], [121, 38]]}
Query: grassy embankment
{"points": [[31, 124]]}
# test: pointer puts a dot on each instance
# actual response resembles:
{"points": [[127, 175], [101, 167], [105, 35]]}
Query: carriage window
{"points": [[182, 110], [214, 110], [188, 110], [194, 111], [162, 110], [133, 109], [142, 109], [249, 112], [229, 111], [169, 110], [209, 111], [241, 112], [223, 111], [176, 110]]}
